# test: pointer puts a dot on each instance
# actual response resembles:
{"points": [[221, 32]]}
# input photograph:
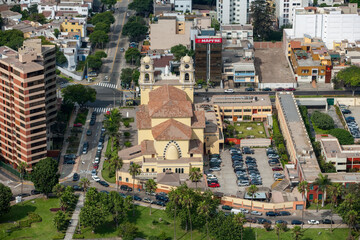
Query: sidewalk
{"points": [[75, 218]]}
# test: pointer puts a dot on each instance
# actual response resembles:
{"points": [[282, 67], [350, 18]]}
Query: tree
{"points": [[100, 54], [204, 210], [92, 215], [350, 77], [99, 38], [150, 187], [135, 77], [278, 229], [115, 164], [174, 197], [112, 124], [93, 62], [134, 170], [351, 218], [262, 14], [56, 32], [128, 231], [241, 220], [16, 8], [38, 17], [195, 175], [251, 191], [84, 183], [132, 55], [322, 120], [344, 137], [225, 227], [303, 188], [60, 221], [180, 51], [33, 9], [335, 191], [12, 38], [322, 181], [79, 94], [22, 170], [60, 57], [136, 31], [187, 202], [67, 198], [106, 17], [5, 198], [215, 24], [109, 3], [45, 176], [297, 232], [126, 76], [118, 206], [142, 7], [58, 189]]}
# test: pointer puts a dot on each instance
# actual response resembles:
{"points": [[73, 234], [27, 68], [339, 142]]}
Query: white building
{"points": [[51, 9], [237, 32], [231, 11], [331, 24], [285, 10], [182, 5], [30, 2]]}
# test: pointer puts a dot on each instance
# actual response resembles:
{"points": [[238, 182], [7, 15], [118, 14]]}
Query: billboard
{"points": [[208, 40]]}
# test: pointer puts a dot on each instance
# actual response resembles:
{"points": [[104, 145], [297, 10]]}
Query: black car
{"points": [[346, 111], [272, 214], [284, 213], [263, 220], [267, 89], [296, 222], [249, 89], [327, 221], [103, 183], [104, 191], [137, 198], [161, 197], [125, 188], [69, 157], [92, 122], [69, 162], [226, 207], [35, 192], [280, 222], [76, 177], [77, 188], [160, 203], [24, 195]]}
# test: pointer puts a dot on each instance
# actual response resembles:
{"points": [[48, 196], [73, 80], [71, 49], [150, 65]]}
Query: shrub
{"points": [[322, 120], [127, 144], [344, 137], [267, 226], [12, 229], [126, 134], [154, 222], [78, 236], [128, 231], [34, 217], [126, 124], [57, 71], [25, 223], [59, 236]]}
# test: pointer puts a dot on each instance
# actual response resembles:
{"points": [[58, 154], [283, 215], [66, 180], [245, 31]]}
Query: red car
{"points": [[77, 125], [277, 169], [213, 185], [279, 89], [96, 166], [290, 89]]}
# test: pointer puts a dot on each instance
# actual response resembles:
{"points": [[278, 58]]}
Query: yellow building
{"points": [[73, 25], [170, 129]]}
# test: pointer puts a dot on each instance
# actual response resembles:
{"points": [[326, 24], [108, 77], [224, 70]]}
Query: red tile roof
{"points": [[46, 13], [196, 146], [143, 120], [162, 62], [198, 120], [295, 44], [171, 130]]}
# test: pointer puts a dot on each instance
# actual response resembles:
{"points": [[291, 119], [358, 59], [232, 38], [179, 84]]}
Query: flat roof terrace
{"points": [[241, 100]]}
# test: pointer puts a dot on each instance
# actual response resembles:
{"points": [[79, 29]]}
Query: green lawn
{"points": [[81, 116], [310, 233], [42, 230], [105, 173], [313, 206], [319, 130], [253, 132]]}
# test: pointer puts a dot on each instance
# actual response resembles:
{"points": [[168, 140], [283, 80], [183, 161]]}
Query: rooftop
{"points": [[171, 130], [241, 100], [236, 27], [333, 149]]}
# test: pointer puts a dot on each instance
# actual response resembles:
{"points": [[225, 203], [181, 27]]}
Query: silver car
{"points": [[256, 213]]}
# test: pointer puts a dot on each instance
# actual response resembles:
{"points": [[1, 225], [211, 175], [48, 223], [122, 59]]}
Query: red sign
{"points": [[208, 40]]}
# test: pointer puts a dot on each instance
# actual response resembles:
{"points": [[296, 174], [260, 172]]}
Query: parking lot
{"points": [[228, 179], [353, 127]]}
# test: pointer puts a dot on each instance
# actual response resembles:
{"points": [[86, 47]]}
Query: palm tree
{"points": [[204, 210], [302, 188], [278, 230], [84, 183], [175, 197], [335, 191], [297, 232], [22, 170], [322, 182], [115, 163], [150, 187], [240, 218], [195, 175], [134, 170], [251, 192], [58, 189], [112, 124], [351, 219], [188, 203]]}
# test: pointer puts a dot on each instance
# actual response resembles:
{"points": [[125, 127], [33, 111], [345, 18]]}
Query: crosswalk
{"points": [[101, 110], [107, 85]]}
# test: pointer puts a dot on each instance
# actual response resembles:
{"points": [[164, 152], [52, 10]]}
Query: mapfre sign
{"points": [[208, 40]]}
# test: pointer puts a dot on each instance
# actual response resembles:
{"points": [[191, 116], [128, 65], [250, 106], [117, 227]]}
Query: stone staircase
{"points": [[280, 185]]}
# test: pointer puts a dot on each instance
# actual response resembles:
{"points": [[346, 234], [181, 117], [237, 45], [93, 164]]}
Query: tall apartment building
{"points": [[285, 10], [329, 24], [233, 11], [27, 102]]}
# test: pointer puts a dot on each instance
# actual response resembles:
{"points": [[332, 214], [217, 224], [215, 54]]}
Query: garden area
{"points": [[81, 116], [246, 130], [74, 140]]}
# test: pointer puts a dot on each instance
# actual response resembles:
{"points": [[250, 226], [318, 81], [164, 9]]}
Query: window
{"points": [[320, 197], [120, 178], [311, 187], [127, 179], [304, 71], [152, 170], [147, 170], [311, 197]]}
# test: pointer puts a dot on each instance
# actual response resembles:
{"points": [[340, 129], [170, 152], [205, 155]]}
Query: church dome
{"points": [[172, 153], [187, 59], [147, 59]]}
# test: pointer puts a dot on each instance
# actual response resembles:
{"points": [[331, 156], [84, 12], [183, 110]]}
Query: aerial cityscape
{"points": [[180, 119]]}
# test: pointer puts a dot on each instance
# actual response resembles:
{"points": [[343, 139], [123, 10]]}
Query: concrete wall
{"points": [[259, 45], [351, 101], [256, 142], [70, 74]]}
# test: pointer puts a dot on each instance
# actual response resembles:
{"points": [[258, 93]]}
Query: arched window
{"points": [[187, 77], [147, 77]]}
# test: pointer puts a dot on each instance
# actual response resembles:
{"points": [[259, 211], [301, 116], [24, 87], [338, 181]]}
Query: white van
{"points": [[235, 211]]}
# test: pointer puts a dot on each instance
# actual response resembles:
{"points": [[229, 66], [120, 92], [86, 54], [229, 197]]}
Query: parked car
{"points": [[92, 122], [77, 125], [290, 89], [296, 222], [267, 89], [69, 161], [93, 172], [313, 222], [256, 213], [249, 89], [76, 177], [327, 221], [284, 213], [96, 178], [226, 207], [103, 183], [77, 188], [213, 185], [277, 168], [252, 220], [160, 203], [279, 89], [229, 90], [147, 200], [280, 222], [263, 220], [88, 132], [272, 214], [35, 192], [125, 188], [345, 111], [215, 169]]}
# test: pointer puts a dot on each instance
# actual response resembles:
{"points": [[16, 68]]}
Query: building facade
{"points": [[170, 130], [74, 25], [285, 10], [231, 11], [27, 107]]}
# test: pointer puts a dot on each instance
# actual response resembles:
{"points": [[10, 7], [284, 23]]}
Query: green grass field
{"points": [[309, 234], [105, 173], [42, 230], [253, 132]]}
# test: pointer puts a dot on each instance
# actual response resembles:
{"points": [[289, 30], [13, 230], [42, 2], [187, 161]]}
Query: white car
{"points": [[229, 90], [256, 213], [95, 178], [313, 222], [215, 169], [244, 210]]}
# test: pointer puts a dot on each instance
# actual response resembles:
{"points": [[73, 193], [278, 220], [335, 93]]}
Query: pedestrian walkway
{"points": [[107, 85], [75, 218], [99, 110]]}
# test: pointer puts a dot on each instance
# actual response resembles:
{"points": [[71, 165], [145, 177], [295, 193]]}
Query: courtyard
{"points": [[246, 130]]}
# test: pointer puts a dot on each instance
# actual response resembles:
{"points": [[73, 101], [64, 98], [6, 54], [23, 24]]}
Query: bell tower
{"points": [[187, 71], [146, 72]]}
